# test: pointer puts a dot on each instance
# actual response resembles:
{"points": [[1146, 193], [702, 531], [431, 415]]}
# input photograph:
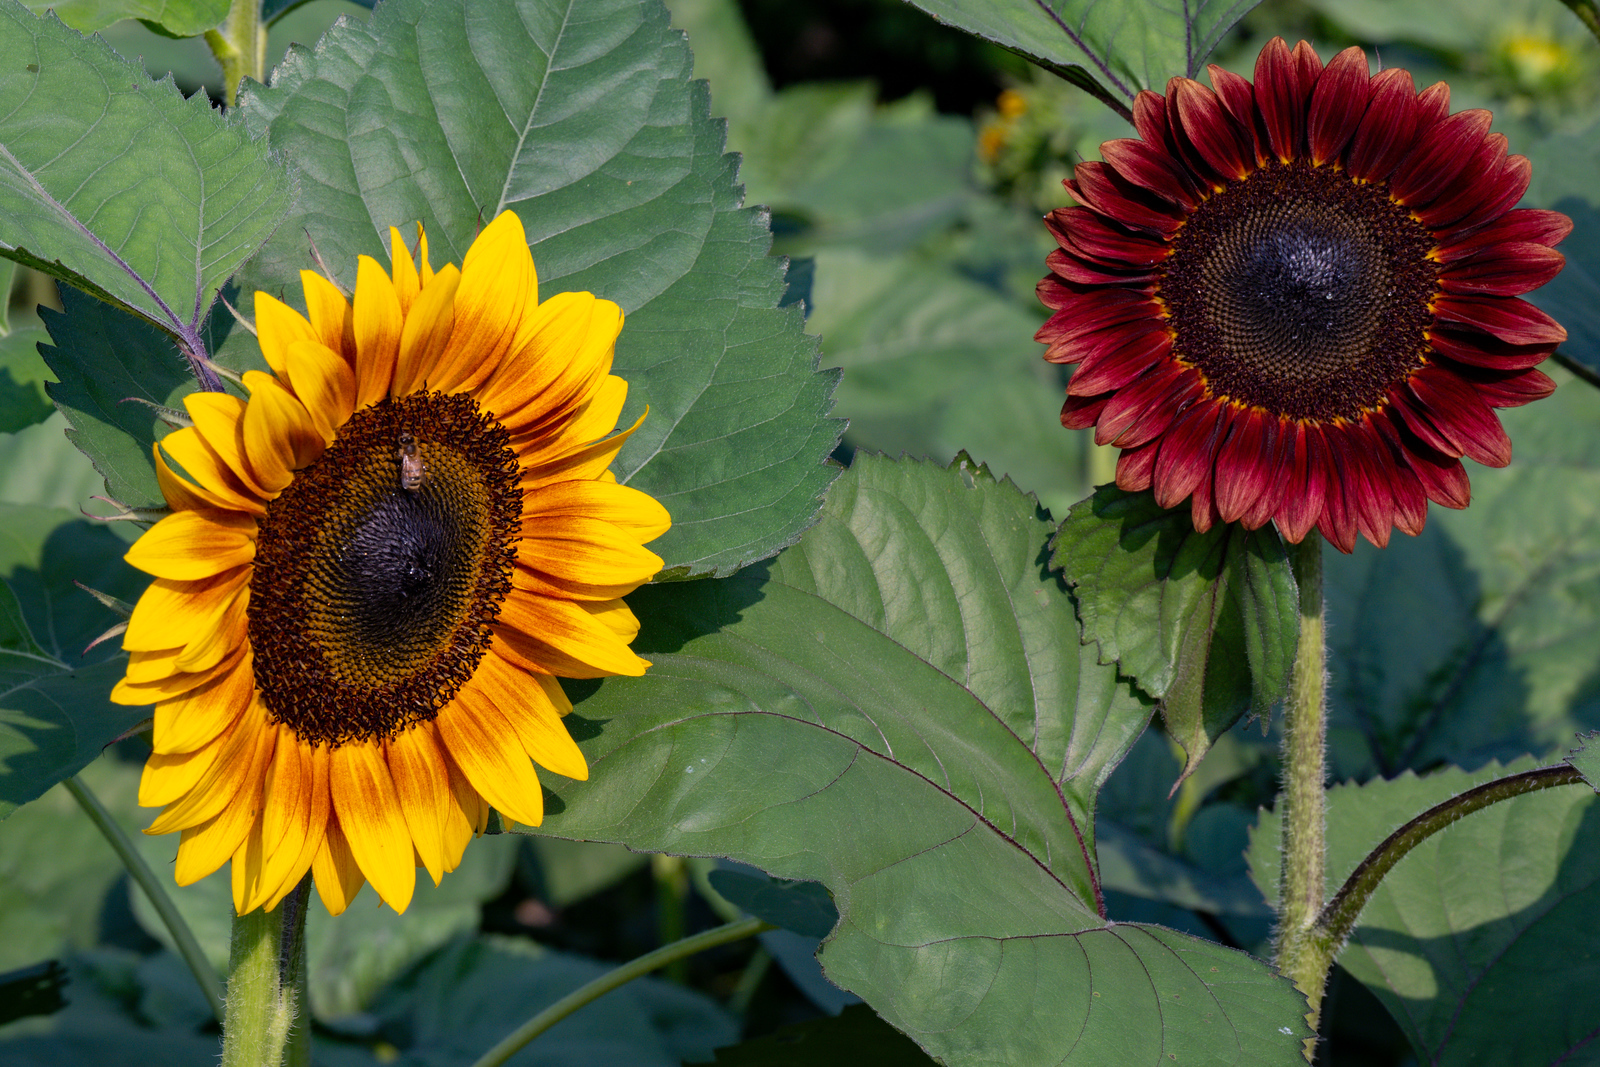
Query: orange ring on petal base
{"points": [[1298, 300], [349, 557]]}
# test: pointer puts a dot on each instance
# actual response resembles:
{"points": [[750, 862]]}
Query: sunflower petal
{"points": [[334, 870], [188, 545], [279, 434], [377, 324], [485, 745], [369, 812], [422, 782]]}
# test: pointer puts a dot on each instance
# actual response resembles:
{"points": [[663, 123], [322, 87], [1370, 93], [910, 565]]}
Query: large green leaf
{"points": [[22, 376], [176, 18], [1477, 639], [583, 120], [54, 712], [1464, 937], [900, 710], [119, 185], [1112, 49], [1563, 166], [1206, 622], [854, 1036]]}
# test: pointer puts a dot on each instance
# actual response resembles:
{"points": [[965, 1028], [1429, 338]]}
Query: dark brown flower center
{"points": [[1301, 292], [380, 569]]}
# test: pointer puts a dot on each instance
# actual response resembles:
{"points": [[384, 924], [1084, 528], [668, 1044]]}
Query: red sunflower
{"points": [[1298, 300]]}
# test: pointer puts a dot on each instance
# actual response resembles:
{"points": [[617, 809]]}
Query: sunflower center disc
{"points": [[380, 568], [1301, 292]]}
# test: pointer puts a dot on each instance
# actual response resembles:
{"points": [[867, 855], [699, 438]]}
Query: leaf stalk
{"points": [[240, 45]]}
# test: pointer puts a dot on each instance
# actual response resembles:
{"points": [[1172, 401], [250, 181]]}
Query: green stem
{"points": [[154, 890], [672, 906], [268, 951], [1587, 14], [240, 45], [1339, 917], [1301, 955], [570, 1003]]}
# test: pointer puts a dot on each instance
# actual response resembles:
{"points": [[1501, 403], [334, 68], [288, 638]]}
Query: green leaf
{"points": [[803, 907], [1460, 955], [117, 184], [22, 376], [1114, 50], [1586, 760], [471, 993], [54, 713], [174, 18], [583, 120], [854, 1036], [1476, 640], [107, 362], [39, 465], [1206, 622], [1562, 166], [901, 712]]}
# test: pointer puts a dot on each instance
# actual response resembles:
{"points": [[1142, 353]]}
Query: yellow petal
{"points": [[331, 319], [179, 493], [337, 875], [231, 632], [616, 616], [171, 613], [485, 746], [294, 816], [561, 637], [584, 550], [406, 282], [589, 421], [578, 464], [152, 677], [422, 781], [527, 705], [219, 418], [377, 323], [279, 434], [213, 480], [498, 287], [277, 327], [561, 364], [368, 808], [317, 824], [324, 383], [628, 509], [230, 764], [426, 333], [187, 545], [426, 271], [189, 722]]}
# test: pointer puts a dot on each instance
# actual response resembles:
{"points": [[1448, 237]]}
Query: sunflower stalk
{"points": [[240, 46], [182, 937], [620, 976], [264, 987], [1304, 951]]}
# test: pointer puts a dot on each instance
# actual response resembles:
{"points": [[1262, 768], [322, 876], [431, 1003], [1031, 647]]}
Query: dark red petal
{"points": [[1366, 493], [1279, 466], [1460, 416], [1510, 319], [1510, 268], [1388, 130], [1501, 192], [1150, 118], [1481, 350], [1237, 96], [1281, 99], [1407, 411], [1410, 498], [1443, 478], [1136, 466], [1225, 146], [1188, 450], [1337, 104], [1305, 484], [1309, 64], [1086, 232], [1433, 104], [1097, 186], [1470, 186], [1144, 409], [1118, 367], [1079, 412], [1149, 168], [1530, 224], [1246, 466], [1443, 151], [1083, 300], [1074, 268], [1339, 521], [1510, 390]]}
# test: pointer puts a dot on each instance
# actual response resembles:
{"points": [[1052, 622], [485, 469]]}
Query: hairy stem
{"points": [[240, 45], [1339, 917], [1300, 954], [154, 890], [721, 935], [268, 952]]}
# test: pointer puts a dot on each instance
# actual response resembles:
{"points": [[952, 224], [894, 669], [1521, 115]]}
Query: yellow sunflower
{"points": [[375, 570]]}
